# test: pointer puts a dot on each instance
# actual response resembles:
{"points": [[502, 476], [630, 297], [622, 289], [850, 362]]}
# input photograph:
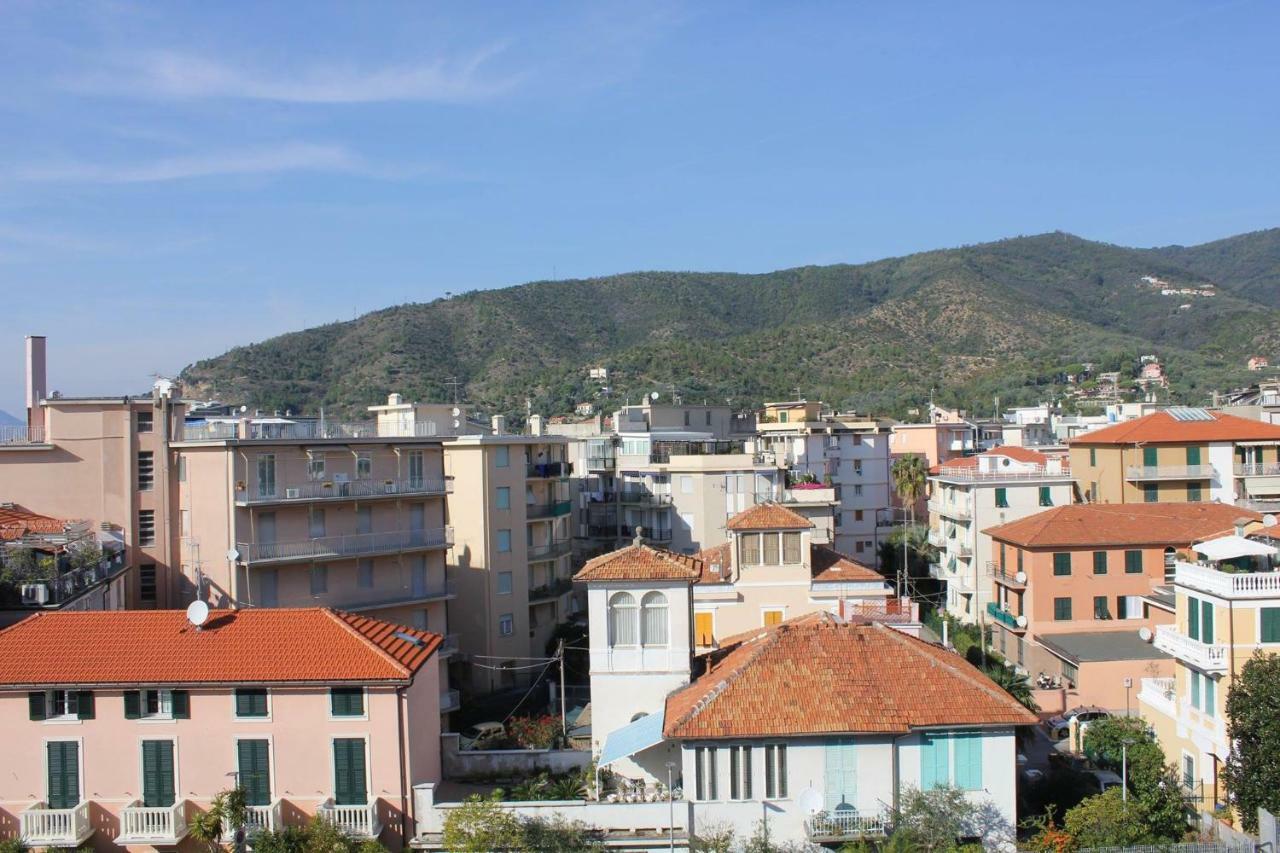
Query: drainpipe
{"points": [[404, 787]]}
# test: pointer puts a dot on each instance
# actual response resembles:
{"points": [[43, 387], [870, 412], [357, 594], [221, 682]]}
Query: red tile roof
{"points": [[768, 516], [1154, 524], [642, 563], [830, 566], [267, 646], [819, 675], [718, 555], [1009, 451], [1163, 428], [16, 522]]}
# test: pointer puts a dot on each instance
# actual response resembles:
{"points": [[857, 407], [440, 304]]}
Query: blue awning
{"points": [[632, 738]]}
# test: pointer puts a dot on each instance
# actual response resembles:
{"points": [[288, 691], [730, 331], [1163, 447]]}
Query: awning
{"points": [[632, 738], [1230, 547]]}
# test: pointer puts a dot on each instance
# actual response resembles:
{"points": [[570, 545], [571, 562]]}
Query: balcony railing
{"points": [[413, 595], [257, 819], [544, 470], [450, 700], [1227, 584], [973, 475], [337, 547], [449, 645], [1210, 657], [1004, 617], [536, 512], [951, 509], [358, 821], [1170, 472], [1257, 469], [1160, 694], [600, 463], [18, 436], [70, 584], [842, 825], [552, 550], [937, 539], [153, 825], [643, 498], [1006, 576], [41, 826], [602, 531], [314, 490], [662, 451], [550, 591]]}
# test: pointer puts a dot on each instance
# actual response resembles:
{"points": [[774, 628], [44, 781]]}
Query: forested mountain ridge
{"points": [[1004, 318]]}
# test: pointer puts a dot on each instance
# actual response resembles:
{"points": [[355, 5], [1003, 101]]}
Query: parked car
{"points": [[481, 735], [1059, 727], [1105, 779]]}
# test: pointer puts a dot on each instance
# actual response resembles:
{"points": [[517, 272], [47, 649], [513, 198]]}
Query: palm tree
{"points": [[908, 473], [1017, 686]]}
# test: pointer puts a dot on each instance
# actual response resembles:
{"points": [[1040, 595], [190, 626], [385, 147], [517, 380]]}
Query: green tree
{"points": [[934, 819], [908, 473], [1152, 780], [482, 825], [1106, 820], [1252, 772], [227, 810], [1016, 685], [559, 835]]}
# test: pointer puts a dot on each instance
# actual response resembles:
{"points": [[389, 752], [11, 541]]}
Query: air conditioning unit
{"points": [[35, 593], [291, 494]]}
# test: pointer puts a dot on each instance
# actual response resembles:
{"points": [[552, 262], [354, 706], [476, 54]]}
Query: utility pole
{"points": [[564, 724]]}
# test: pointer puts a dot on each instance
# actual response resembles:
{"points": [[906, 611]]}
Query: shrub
{"points": [[535, 732], [482, 825]]}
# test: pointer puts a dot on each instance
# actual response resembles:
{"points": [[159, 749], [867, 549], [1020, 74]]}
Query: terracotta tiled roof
{"points": [[267, 646], [1009, 451], [16, 522], [1161, 427], [824, 676], [1156, 524], [718, 555], [830, 566], [768, 516], [640, 562]]}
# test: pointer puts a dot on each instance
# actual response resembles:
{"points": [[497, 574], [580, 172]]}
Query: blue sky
{"points": [[209, 174]]}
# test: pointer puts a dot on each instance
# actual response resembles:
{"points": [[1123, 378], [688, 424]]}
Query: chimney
{"points": [[499, 423], [395, 399], [535, 425], [37, 379]]}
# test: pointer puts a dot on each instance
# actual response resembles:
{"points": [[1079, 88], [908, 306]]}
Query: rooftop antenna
{"points": [[453, 383], [197, 613]]}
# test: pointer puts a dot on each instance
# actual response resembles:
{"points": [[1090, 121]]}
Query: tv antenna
{"points": [[453, 383]]}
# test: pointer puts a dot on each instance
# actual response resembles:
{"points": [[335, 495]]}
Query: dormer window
{"points": [[623, 620]]}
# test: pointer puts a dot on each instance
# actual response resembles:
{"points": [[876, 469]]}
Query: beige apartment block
{"points": [[509, 510]]}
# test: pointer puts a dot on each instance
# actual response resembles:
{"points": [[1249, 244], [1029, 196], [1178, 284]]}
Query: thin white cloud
{"points": [[293, 157], [185, 76]]}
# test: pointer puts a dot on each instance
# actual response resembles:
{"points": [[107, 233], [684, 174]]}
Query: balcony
{"points": [[448, 646], [662, 451], [951, 509], [961, 548], [450, 700], [550, 592], [643, 498], [1210, 657], [537, 512], [600, 463], [648, 534], [1227, 584], [602, 531], [801, 495], [1011, 579], [554, 550], [1242, 469], [937, 539], [1160, 694], [41, 826], [249, 430], [339, 547], [420, 594], [66, 586], [1149, 473], [1037, 473], [257, 819], [153, 825], [20, 437], [1005, 618], [837, 826], [358, 821], [548, 470], [338, 490]]}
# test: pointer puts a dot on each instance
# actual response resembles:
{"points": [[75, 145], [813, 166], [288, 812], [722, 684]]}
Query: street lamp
{"points": [[671, 808], [1124, 769]]}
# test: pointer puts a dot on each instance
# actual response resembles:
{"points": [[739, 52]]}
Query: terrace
{"points": [[340, 547]]}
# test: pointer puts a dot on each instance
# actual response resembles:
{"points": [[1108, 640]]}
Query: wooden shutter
{"points": [[1206, 622], [346, 701], [157, 773], [84, 705], [1193, 618], [702, 629], [64, 774], [251, 703], [969, 761], [181, 704], [132, 704], [1149, 457], [935, 761], [1270, 625], [36, 705], [255, 774], [348, 771]]}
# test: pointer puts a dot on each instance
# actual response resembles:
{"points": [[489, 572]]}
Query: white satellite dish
{"points": [[456, 423], [456, 411], [197, 613], [1269, 520], [1020, 577], [233, 554], [809, 801], [654, 395], [244, 409], [1145, 634], [1022, 621]]}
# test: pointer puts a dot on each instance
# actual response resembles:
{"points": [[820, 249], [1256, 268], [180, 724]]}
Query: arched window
{"points": [[623, 624], [653, 620]]}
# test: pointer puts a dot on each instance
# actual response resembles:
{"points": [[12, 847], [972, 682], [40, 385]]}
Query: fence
{"points": [[1192, 847]]}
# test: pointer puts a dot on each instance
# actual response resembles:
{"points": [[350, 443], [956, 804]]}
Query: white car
{"points": [[1059, 727]]}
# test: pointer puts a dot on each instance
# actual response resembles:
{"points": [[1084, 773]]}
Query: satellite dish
{"points": [[1269, 520], [809, 801], [197, 613], [456, 423], [455, 411], [1022, 621], [1145, 634], [244, 409], [1020, 577], [233, 554], [655, 395]]}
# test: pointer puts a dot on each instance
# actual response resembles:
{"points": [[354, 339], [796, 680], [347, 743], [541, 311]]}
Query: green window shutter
{"points": [[255, 775], [1193, 456], [1151, 493], [1206, 622], [348, 771], [1149, 457], [157, 773], [1195, 689], [132, 704], [84, 705], [1062, 609], [1062, 564], [64, 773], [969, 761], [1002, 497], [1046, 499], [35, 705], [346, 701], [181, 705], [1193, 493], [1210, 696], [1133, 562], [1270, 625], [251, 702], [1093, 457], [1099, 562], [1193, 618]]}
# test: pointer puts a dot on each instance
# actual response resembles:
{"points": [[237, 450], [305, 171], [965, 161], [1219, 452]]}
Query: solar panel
{"points": [[1188, 413], [408, 638]]}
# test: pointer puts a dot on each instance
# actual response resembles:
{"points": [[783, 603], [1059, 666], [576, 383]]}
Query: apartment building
{"points": [[1227, 593], [510, 510], [103, 461], [847, 453], [971, 493], [121, 725], [1181, 454], [1072, 587]]}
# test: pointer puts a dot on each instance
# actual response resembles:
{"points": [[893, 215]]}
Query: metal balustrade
{"points": [[18, 436], [840, 825], [313, 490], [353, 545]]}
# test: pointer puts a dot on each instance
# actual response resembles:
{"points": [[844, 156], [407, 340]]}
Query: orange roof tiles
{"points": [[267, 646], [1163, 428], [1086, 525], [640, 562], [718, 555], [768, 516], [16, 522], [824, 676], [830, 566], [1009, 451]]}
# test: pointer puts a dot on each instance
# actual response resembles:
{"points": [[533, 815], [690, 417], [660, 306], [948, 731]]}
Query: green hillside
{"points": [[999, 319]]}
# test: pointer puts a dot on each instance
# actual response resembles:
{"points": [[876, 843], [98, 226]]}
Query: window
{"points": [[251, 702], [1149, 457], [1193, 618], [1061, 564], [1071, 673], [790, 548], [739, 772], [708, 417], [62, 763], [1129, 607], [504, 583], [1099, 562], [415, 469], [319, 580], [1100, 609], [775, 771], [346, 702], [686, 484], [349, 787], [1093, 457], [156, 703], [1210, 696], [653, 619], [316, 524], [623, 627], [147, 582], [1206, 621], [1193, 456], [146, 527], [1133, 562], [704, 766], [770, 541], [1046, 497], [857, 490], [266, 475], [60, 705], [255, 771], [182, 467], [157, 774], [857, 546], [364, 466], [504, 541], [146, 470], [315, 466], [749, 549], [857, 515], [501, 456], [506, 625], [1062, 609], [144, 421], [1019, 560], [1270, 627], [1188, 771], [1151, 493], [1002, 498], [364, 573], [1194, 494], [1195, 689], [268, 588], [502, 498], [184, 522], [364, 519], [686, 418]]}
